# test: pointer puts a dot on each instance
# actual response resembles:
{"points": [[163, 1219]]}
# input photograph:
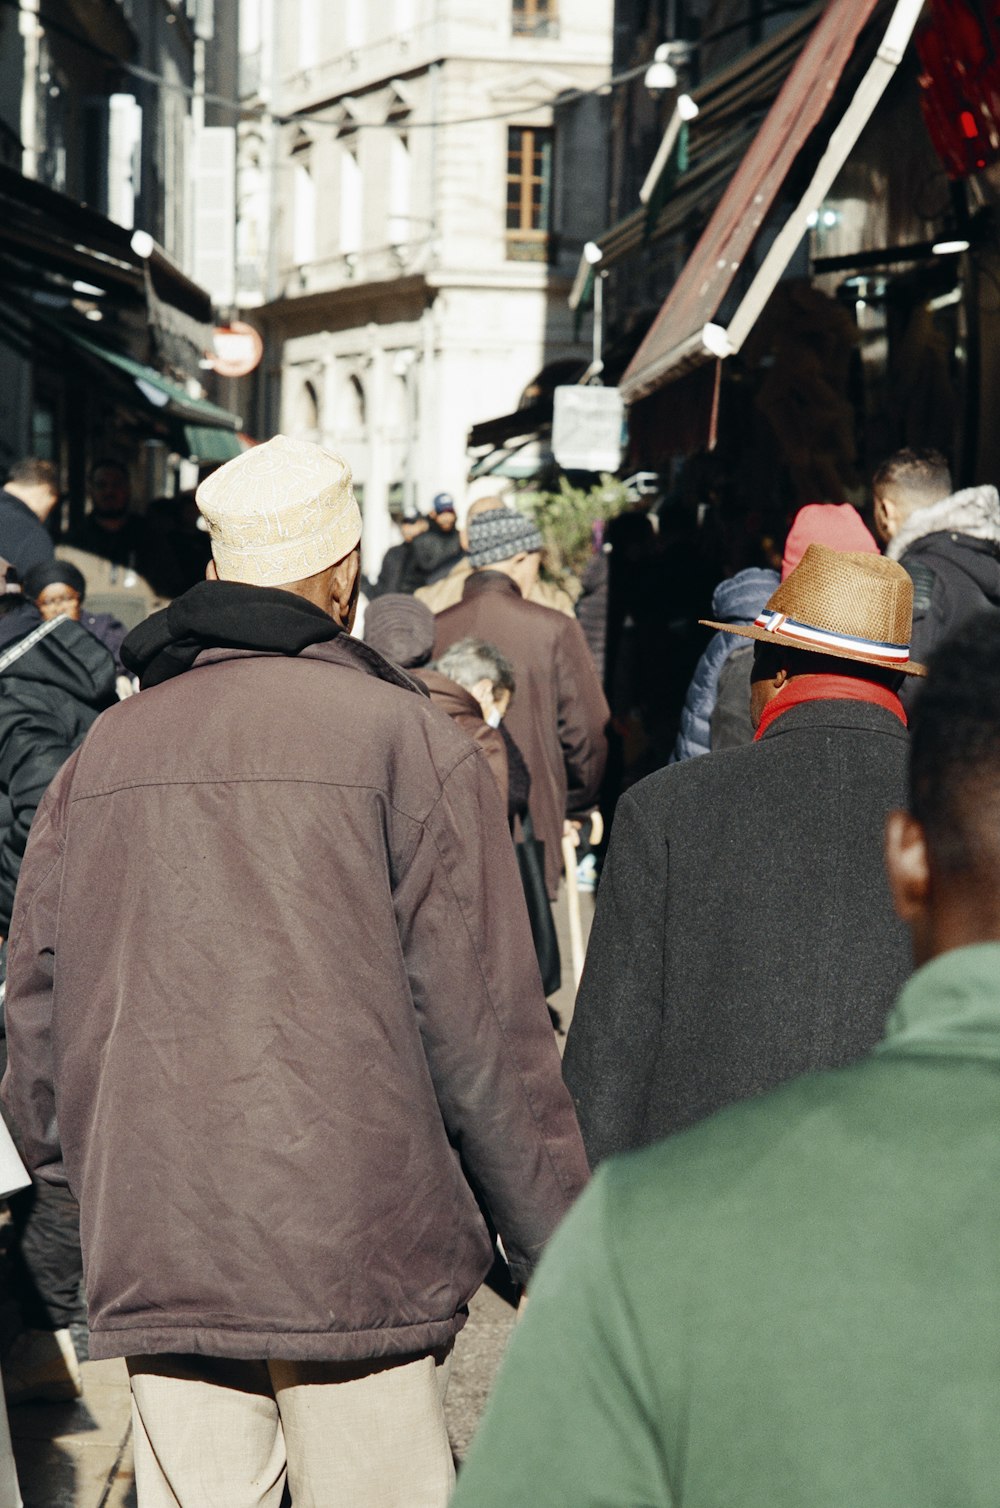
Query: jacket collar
{"points": [[344, 650], [835, 714], [973, 512], [950, 1008], [223, 615], [802, 689], [490, 581]]}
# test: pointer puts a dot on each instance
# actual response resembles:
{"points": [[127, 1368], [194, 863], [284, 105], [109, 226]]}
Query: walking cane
{"points": [[573, 892], [573, 901]]}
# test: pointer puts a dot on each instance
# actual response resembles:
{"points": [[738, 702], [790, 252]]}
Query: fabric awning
{"points": [[522, 422], [159, 392], [730, 104], [59, 250], [685, 332], [209, 445]]}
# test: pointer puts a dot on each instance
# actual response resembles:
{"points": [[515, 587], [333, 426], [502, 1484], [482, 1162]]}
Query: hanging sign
{"points": [[587, 428], [236, 350]]}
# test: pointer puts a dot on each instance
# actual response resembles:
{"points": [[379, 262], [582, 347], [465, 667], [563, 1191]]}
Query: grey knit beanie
{"points": [[500, 534]]}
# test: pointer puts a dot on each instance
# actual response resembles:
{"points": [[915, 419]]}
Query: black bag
{"points": [[531, 862]]}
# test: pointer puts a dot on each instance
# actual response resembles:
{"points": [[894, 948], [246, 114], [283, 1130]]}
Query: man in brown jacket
{"points": [[271, 965], [559, 715]]}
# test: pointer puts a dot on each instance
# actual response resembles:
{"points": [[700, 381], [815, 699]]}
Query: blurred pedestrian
{"points": [[55, 678], [949, 542], [114, 547], [401, 629], [59, 589], [738, 599], [445, 591], [839, 526], [559, 716], [27, 499], [309, 1059], [743, 931], [795, 1303], [474, 683], [396, 570], [435, 549]]}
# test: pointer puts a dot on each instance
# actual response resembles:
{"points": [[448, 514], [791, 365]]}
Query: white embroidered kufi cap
{"points": [[281, 511]]}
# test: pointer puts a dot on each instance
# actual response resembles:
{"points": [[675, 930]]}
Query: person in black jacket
{"points": [[55, 678], [948, 542], [744, 932], [26, 500], [435, 551]]}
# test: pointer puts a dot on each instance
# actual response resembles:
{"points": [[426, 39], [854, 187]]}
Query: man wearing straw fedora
{"points": [[744, 932], [272, 963]]}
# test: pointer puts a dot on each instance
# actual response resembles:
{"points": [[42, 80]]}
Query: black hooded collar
{"points": [[223, 615], [219, 617]]}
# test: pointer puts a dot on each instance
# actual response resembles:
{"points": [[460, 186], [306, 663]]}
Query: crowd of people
{"points": [[277, 945]]}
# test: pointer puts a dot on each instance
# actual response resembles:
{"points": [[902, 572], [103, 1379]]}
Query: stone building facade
{"points": [[410, 228]]}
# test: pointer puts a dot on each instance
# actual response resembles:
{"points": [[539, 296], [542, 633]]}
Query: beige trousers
{"points": [[211, 1433]]}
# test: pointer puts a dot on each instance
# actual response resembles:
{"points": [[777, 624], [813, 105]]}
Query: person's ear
{"points": [[886, 517], [344, 586], [483, 692], [907, 866], [211, 574]]}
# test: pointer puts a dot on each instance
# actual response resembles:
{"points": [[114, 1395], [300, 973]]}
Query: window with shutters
{"points": [[529, 193], [534, 18]]}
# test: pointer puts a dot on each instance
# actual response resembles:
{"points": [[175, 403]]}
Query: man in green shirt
{"points": [[797, 1302]]}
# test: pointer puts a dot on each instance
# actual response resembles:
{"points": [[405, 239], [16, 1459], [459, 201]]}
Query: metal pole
{"points": [[598, 319]]}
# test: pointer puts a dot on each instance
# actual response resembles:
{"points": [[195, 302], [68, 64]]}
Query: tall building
{"points": [[105, 318], [411, 222]]}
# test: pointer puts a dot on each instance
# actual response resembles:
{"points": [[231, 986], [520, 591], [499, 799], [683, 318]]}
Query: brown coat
{"points": [[558, 717], [272, 964], [465, 712], [448, 590]]}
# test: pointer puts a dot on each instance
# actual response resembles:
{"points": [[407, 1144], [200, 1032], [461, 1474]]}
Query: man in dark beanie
{"points": [[559, 716]]}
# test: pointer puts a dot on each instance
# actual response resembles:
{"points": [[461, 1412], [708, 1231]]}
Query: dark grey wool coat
{"points": [[744, 932]]}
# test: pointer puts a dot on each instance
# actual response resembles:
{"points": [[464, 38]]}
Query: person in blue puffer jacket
{"points": [[738, 599]]}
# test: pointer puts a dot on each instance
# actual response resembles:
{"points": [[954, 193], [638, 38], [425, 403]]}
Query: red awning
{"points": [[684, 333]]}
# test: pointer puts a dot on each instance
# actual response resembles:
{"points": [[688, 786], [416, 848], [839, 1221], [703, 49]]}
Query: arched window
{"points": [[306, 415], [352, 410]]}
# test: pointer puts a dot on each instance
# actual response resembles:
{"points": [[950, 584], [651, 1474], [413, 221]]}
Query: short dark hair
{"points": [[922, 475], [109, 463], [31, 472], [955, 752], [769, 658]]}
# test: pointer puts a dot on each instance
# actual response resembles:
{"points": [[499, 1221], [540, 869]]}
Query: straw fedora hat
{"points": [[851, 606]]}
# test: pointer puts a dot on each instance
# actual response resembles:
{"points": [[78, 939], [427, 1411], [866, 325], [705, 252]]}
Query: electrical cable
{"points": [[316, 116]]}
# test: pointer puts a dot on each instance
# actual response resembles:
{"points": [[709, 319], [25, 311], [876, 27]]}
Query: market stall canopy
{"points": [[207, 432], [686, 332], [59, 251]]}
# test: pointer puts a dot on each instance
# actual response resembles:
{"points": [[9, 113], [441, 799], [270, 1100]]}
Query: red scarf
{"points": [[828, 688]]}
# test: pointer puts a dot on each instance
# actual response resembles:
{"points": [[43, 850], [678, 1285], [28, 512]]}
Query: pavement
{"points": [[79, 1455]]}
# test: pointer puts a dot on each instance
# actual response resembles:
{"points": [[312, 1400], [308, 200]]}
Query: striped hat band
{"points": [[819, 638]]}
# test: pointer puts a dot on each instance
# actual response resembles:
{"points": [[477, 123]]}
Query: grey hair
{"points": [[473, 660]]}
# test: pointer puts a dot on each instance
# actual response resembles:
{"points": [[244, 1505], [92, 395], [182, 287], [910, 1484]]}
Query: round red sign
{"points": [[236, 349]]}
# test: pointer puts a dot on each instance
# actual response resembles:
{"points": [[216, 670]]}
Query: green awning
{"points": [[158, 391], [207, 444]]}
